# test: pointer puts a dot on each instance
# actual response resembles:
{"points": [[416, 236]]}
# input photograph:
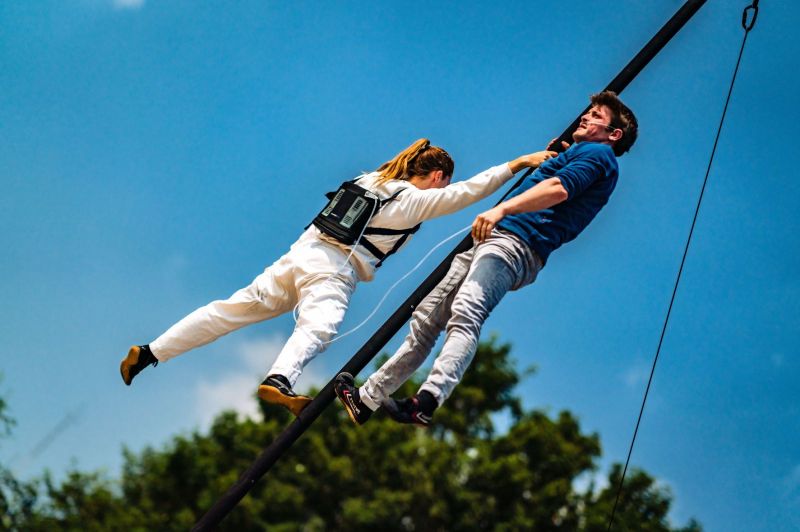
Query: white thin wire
{"points": [[415, 268], [295, 313]]}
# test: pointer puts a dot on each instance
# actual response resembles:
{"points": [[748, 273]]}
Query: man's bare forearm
{"points": [[542, 196]]}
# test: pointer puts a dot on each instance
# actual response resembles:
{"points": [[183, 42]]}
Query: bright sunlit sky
{"points": [[157, 155]]}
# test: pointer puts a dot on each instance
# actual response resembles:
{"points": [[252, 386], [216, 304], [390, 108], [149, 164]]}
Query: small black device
{"points": [[347, 214]]}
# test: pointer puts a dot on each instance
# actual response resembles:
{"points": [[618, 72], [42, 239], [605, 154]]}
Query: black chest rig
{"points": [[347, 214]]}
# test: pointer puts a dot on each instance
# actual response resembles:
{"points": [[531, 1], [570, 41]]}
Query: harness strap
{"points": [[389, 232], [405, 233], [369, 246], [397, 245], [390, 198], [378, 254]]}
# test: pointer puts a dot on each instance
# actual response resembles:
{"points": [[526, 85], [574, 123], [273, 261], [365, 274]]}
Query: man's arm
{"points": [[543, 195], [419, 205]]}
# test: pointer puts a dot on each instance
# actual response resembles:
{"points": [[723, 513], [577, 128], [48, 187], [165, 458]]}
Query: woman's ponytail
{"points": [[398, 168]]}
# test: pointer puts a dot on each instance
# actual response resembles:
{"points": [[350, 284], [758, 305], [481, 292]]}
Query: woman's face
{"points": [[437, 179], [433, 179]]}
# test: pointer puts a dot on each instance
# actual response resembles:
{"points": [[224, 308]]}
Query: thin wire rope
{"points": [[389, 291], [747, 29]]}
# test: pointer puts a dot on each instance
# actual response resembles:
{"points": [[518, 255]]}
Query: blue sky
{"points": [[158, 155]]}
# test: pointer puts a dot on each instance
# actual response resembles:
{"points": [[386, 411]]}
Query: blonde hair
{"points": [[418, 159]]}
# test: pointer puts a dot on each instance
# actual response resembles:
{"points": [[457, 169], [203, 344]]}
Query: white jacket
{"points": [[411, 207]]}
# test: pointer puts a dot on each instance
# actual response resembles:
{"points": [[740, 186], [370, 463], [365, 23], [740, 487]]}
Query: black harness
{"points": [[347, 214]]}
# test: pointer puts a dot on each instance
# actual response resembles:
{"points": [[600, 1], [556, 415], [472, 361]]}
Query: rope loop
{"points": [[748, 25]]}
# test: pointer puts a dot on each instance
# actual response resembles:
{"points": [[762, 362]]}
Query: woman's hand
{"points": [[537, 158], [552, 145], [532, 160], [485, 222]]}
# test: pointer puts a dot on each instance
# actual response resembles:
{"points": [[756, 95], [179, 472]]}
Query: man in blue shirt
{"points": [[512, 243]]}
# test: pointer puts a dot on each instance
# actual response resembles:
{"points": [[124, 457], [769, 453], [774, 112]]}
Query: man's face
{"points": [[594, 127]]}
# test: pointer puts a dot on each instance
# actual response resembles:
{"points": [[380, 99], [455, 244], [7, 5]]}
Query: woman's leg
{"points": [[324, 302], [270, 294]]}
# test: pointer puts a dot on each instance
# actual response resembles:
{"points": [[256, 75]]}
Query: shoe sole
{"points": [[347, 409], [343, 401], [128, 362], [271, 394]]}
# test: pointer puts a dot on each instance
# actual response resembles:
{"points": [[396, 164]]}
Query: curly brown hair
{"points": [[621, 118]]}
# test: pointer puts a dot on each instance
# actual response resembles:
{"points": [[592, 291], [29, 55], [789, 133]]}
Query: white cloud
{"points": [[792, 483], [128, 4], [311, 379], [232, 392], [235, 389], [637, 375], [175, 265], [583, 482], [791, 494]]}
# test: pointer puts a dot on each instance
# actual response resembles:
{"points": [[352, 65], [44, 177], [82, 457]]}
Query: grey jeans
{"points": [[477, 280]]}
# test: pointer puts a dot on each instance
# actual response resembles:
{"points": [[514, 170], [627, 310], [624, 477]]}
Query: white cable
{"points": [[415, 268], [295, 313], [598, 123]]}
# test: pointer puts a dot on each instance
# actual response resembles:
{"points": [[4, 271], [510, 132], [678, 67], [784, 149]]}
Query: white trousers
{"points": [[304, 273]]}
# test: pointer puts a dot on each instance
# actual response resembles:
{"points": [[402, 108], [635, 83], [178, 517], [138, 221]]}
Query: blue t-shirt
{"points": [[588, 171]]}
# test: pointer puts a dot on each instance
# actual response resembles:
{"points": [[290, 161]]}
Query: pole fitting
{"points": [[747, 22]]}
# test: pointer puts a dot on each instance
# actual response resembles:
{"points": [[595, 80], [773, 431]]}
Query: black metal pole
{"points": [[271, 454]]}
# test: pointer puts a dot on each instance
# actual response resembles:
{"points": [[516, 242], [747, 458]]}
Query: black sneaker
{"points": [[346, 391], [416, 410], [277, 390], [139, 357]]}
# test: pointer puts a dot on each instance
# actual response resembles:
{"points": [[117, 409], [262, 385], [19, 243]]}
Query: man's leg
{"points": [[488, 280], [502, 263], [427, 323]]}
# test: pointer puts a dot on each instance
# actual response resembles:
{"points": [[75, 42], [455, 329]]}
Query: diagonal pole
{"points": [[281, 444]]}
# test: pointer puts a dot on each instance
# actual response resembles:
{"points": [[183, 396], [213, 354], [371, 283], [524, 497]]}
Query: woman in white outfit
{"points": [[321, 273]]}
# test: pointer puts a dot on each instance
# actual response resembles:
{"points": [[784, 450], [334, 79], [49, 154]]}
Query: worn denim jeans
{"points": [[477, 280]]}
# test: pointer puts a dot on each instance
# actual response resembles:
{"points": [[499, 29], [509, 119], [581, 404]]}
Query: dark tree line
{"points": [[461, 474]]}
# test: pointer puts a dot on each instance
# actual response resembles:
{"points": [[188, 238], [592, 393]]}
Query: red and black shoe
{"points": [[415, 410], [347, 392], [138, 358]]}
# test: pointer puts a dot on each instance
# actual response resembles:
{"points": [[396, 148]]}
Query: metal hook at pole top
{"points": [[746, 15]]}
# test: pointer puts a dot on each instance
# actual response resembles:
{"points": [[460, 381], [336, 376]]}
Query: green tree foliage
{"points": [[16, 498], [461, 474]]}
